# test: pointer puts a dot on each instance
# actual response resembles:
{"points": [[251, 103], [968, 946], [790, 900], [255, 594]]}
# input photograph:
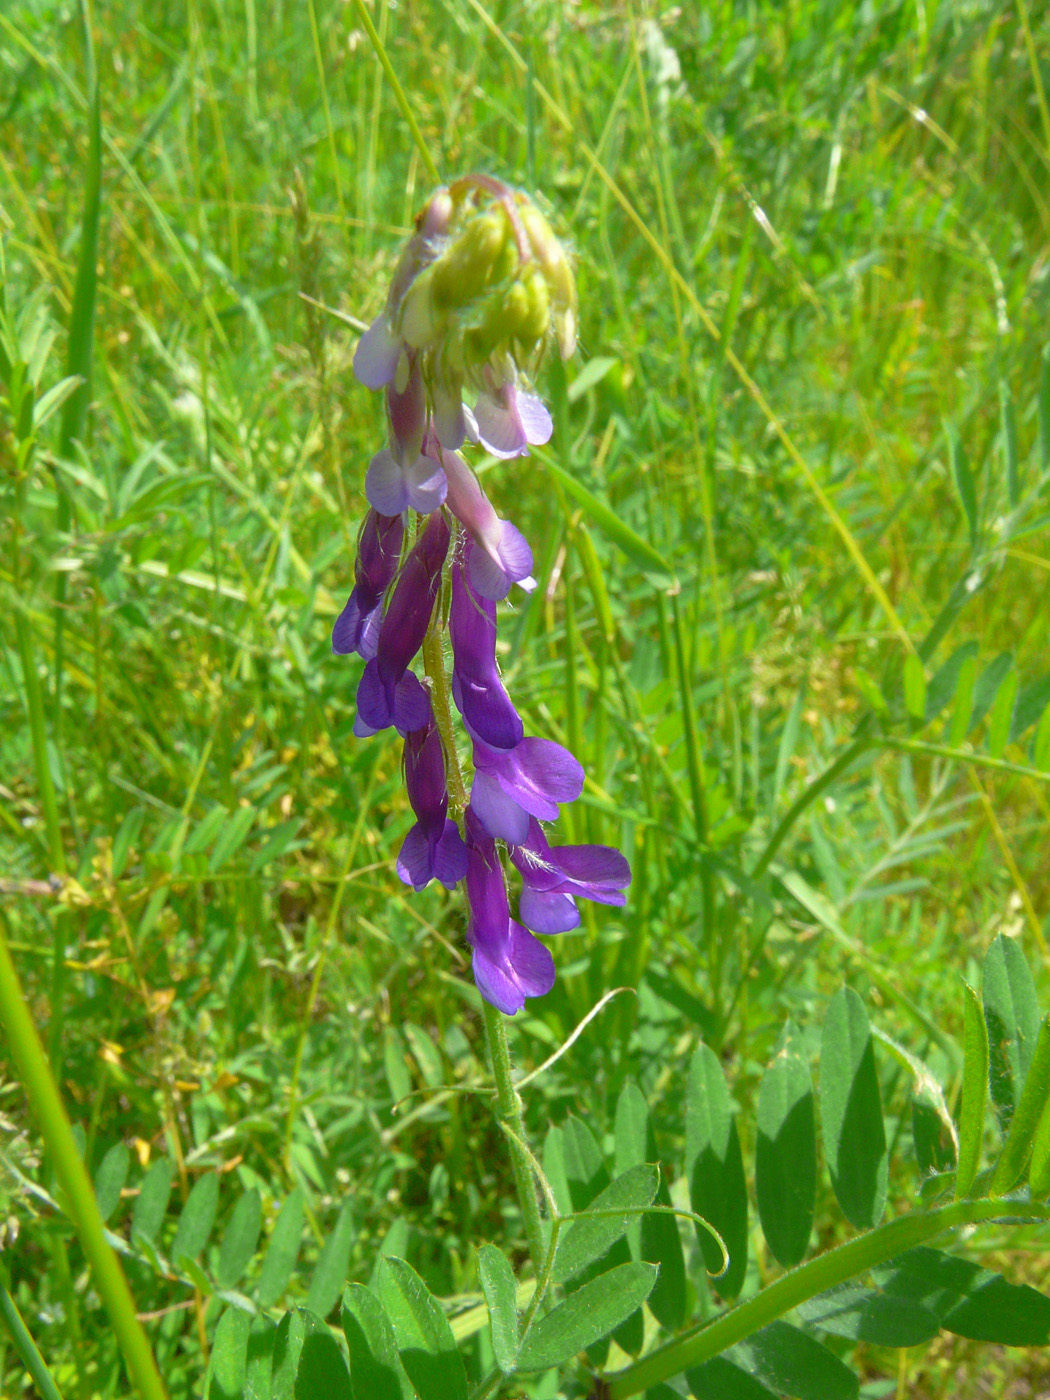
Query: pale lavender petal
{"points": [[425, 485], [498, 813], [492, 572], [535, 420], [385, 487], [377, 354], [548, 911], [499, 428], [496, 984]]}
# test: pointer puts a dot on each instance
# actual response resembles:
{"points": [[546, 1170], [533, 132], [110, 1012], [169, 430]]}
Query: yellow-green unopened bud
{"points": [[420, 319], [526, 311], [481, 254]]}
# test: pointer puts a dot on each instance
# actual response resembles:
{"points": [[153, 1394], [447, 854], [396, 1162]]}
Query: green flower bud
{"points": [[481, 254]]}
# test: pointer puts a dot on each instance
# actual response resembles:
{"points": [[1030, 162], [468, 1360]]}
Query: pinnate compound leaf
{"points": [[151, 1203], [1011, 1011], [968, 1300], [500, 1290], [376, 1372], [657, 1239], [321, 1373], [197, 1218], [715, 1167], [851, 1111], [974, 1097], [292, 1332], [592, 1312], [229, 1356], [330, 1273], [786, 1153], [589, 1239], [110, 1178], [866, 1315], [282, 1251], [240, 1239], [424, 1338]]}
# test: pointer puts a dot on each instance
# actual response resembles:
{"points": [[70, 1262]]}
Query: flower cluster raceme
{"points": [[481, 291]]}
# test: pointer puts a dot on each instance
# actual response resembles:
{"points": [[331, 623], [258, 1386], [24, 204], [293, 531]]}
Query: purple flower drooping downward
{"points": [[433, 849], [482, 289], [509, 963], [378, 553]]}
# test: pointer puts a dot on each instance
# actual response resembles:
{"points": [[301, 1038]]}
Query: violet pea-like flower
{"points": [[401, 477], [554, 877], [509, 963], [511, 786], [378, 553], [433, 848], [507, 419], [383, 696], [476, 686], [499, 554]]}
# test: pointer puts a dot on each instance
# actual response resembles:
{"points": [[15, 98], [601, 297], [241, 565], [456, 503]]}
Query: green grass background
{"points": [[813, 252]]}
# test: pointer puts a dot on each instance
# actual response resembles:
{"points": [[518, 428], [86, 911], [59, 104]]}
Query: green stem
{"points": [[836, 1267], [24, 1344], [42, 1092], [398, 91], [817, 786], [510, 1112]]}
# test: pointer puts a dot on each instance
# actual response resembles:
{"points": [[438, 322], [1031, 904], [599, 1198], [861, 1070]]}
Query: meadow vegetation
{"points": [[792, 615]]}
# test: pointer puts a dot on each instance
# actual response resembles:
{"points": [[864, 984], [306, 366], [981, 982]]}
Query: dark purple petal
{"points": [[423, 859], [525, 970], [378, 553], [548, 912], [425, 779], [407, 411], [599, 873], [408, 615], [476, 686], [404, 705]]}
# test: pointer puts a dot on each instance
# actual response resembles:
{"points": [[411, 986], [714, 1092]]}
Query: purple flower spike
{"points": [[476, 687], [500, 554], [530, 780], [509, 963], [433, 849], [378, 552], [554, 877], [508, 419]]}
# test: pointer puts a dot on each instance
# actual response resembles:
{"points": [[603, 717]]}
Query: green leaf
{"points": [[792, 1363], [945, 683], [229, 1357], [1009, 429], [964, 483], [110, 1178], [715, 1168], [282, 1251], [376, 1372], [1041, 743], [152, 1201], [974, 1097], [197, 1218], [866, 1315], [637, 549], [987, 687], [330, 1273], [1001, 715], [587, 1240], [258, 1376], [914, 687], [851, 1111], [968, 1300], [1031, 705], [1034, 1098], [292, 1332], [592, 1312], [240, 1239], [657, 1240], [721, 1379], [1012, 1013], [500, 1290], [321, 1372], [786, 1152], [1039, 1173], [424, 1338], [962, 710]]}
